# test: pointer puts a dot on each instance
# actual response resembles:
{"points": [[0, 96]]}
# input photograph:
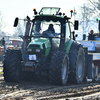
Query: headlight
{"points": [[29, 50], [37, 50]]}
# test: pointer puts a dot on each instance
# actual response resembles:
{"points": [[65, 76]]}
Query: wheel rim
{"points": [[93, 71], [79, 65], [64, 70]]}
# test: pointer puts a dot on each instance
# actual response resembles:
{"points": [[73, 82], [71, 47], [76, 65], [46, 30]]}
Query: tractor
{"points": [[51, 54]]}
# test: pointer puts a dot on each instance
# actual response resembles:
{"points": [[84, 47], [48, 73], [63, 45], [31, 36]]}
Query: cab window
{"points": [[67, 32]]}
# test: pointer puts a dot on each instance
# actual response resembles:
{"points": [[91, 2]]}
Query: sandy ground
{"points": [[45, 91]]}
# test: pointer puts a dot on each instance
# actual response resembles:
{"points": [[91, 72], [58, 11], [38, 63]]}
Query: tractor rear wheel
{"points": [[12, 66], [78, 75], [59, 66]]}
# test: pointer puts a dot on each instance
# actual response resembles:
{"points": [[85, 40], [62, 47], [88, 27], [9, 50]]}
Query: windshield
{"points": [[45, 28]]}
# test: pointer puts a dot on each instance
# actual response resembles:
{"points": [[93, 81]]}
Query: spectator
{"points": [[3, 43], [91, 35]]}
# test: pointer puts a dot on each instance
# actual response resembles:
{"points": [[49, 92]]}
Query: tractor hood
{"points": [[38, 43], [43, 44]]}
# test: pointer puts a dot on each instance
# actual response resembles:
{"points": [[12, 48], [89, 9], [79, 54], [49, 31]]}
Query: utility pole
{"points": [[74, 13], [83, 17]]}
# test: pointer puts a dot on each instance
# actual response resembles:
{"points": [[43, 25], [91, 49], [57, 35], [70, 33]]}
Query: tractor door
{"points": [[65, 34]]}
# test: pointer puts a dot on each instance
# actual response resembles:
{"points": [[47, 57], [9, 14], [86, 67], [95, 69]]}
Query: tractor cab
{"points": [[51, 30], [51, 25]]}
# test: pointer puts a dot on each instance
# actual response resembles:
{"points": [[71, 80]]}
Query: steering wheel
{"points": [[46, 33]]}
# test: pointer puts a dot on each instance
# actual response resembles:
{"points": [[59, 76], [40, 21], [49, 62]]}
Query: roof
{"points": [[49, 11]]}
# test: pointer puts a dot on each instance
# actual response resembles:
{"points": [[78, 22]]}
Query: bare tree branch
{"points": [[19, 30]]}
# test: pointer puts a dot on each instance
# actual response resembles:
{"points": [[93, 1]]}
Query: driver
{"points": [[50, 29]]}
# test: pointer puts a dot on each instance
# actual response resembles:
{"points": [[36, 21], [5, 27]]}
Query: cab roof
{"points": [[51, 12]]}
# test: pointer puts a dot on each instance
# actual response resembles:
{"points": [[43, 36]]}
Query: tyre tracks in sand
{"points": [[45, 91]]}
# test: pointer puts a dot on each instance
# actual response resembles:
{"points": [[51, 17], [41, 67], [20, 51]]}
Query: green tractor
{"points": [[49, 51]]}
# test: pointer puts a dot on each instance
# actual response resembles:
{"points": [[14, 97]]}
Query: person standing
{"points": [[3, 43], [91, 35]]}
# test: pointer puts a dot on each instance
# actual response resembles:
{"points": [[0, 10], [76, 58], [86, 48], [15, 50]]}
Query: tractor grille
{"points": [[34, 46], [34, 50]]}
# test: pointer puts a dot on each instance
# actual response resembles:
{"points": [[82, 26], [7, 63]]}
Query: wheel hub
{"points": [[64, 70]]}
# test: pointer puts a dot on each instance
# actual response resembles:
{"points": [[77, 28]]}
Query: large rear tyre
{"points": [[59, 65], [12, 66], [78, 75]]}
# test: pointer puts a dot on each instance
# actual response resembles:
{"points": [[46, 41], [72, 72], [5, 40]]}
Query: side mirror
{"points": [[16, 22], [76, 25], [28, 17]]}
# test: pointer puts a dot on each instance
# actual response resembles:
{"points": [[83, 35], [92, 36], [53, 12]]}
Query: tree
{"points": [[1, 21], [87, 18], [95, 4], [2, 24], [19, 30]]}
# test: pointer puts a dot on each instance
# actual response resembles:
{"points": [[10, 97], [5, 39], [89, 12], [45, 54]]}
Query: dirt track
{"points": [[45, 91]]}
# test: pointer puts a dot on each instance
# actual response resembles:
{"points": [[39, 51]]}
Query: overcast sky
{"points": [[21, 8]]}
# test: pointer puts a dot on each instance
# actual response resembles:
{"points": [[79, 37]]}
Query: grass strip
{"points": [[1, 70]]}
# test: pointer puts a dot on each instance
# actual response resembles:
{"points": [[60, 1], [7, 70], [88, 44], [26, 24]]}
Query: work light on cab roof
{"points": [[71, 12], [35, 12]]}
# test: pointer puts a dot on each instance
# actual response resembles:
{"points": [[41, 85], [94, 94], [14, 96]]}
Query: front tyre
{"points": [[12, 67], [59, 68]]}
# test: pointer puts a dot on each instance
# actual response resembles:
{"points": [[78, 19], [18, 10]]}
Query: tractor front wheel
{"points": [[59, 68], [12, 64]]}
